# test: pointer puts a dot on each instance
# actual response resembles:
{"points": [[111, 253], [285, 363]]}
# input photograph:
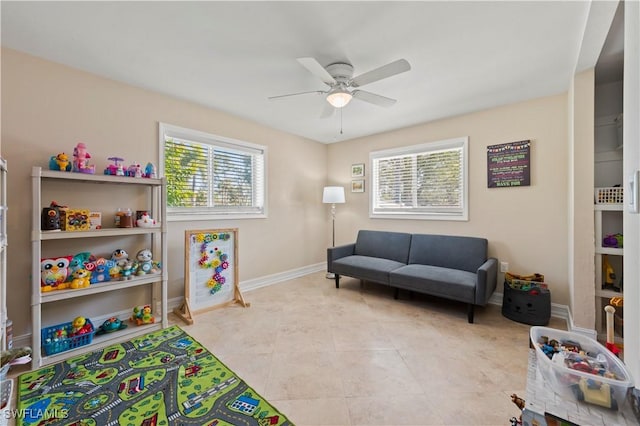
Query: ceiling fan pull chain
{"points": [[341, 120]]}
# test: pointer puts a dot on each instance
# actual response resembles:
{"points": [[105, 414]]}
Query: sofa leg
{"points": [[470, 313], [396, 293], [337, 280]]}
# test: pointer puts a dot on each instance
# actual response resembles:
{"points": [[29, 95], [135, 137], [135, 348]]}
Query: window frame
{"points": [[453, 143], [210, 213]]}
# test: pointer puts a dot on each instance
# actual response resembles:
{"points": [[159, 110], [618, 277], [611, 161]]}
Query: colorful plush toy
{"points": [[78, 262], [145, 264], [81, 159], [54, 273], [127, 271], [120, 257], [100, 270], [81, 278]]}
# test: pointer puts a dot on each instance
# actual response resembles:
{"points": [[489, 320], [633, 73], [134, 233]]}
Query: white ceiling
{"points": [[231, 56]]}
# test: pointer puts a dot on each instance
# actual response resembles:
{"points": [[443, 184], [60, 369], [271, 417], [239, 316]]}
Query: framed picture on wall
{"points": [[357, 170], [357, 185]]}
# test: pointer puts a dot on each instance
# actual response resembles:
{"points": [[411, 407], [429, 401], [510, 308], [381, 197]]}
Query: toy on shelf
{"points": [[145, 263], [54, 273], [81, 159], [50, 218], [142, 315], [150, 171], [81, 278], [134, 170], [145, 221], [613, 241], [100, 270], [78, 262], [120, 257], [110, 325], [80, 326], [115, 169], [60, 162], [127, 270]]}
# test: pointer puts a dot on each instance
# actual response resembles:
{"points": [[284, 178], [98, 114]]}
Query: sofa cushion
{"points": [[463, 253], [385, 245], [437, 281], [366, 268]]}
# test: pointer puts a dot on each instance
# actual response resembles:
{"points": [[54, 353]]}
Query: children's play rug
{"points": [[162, 378]]}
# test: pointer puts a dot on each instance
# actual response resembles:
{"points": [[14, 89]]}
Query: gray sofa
{"points": [[451, 267]]}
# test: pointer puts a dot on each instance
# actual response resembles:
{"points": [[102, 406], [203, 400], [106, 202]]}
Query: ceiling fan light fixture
{"points": [[339, 97]]}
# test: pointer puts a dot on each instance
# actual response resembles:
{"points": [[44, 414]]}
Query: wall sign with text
{"points": [[509, 164]]}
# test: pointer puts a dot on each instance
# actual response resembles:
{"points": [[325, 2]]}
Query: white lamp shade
{"points": [[339, 98], [333, 194]]}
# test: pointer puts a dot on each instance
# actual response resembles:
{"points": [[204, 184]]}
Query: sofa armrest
{"points": [[335, 253], [487, 281]]}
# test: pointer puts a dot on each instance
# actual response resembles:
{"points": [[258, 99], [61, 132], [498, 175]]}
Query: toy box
{"points": [[598, 378], [95, 220], [74, 219]]}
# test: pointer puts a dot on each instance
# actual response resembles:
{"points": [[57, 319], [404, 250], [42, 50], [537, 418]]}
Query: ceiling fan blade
{"points": [[316, 69], [271, 98], [379, 100], [393, 68]]}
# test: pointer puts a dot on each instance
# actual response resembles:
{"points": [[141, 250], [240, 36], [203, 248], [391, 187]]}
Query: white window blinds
{"points": [[422, 181], [207, 174]]}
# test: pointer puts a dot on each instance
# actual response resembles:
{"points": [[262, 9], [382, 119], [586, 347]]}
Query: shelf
{"points": [[104, 340], [97, 178], [95, 294], [104, 232], [52, 296], [610, 250], [608, 207], [608, 293]]}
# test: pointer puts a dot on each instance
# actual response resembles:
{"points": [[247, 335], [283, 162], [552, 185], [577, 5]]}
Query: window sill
{"points": [[420, 216], [184, 217]]}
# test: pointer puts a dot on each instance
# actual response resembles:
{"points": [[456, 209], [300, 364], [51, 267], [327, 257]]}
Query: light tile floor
{"points": [[356, 356]]}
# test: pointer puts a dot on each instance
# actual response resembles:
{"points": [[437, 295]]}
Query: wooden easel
{"points": [[184, 312]]}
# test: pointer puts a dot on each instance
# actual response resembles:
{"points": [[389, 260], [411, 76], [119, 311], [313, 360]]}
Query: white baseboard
{"points": [[267, 280]]}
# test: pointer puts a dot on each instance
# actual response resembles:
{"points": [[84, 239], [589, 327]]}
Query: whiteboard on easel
{"points": [[211, 268]]}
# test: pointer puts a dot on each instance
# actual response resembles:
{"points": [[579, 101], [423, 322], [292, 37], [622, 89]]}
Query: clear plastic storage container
{"points": [[598, 377]]}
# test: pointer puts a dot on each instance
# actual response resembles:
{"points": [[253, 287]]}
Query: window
{"points": [[427, 181], [210, 176]]}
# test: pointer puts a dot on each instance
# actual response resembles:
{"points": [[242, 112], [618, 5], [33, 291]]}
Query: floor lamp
{"points": [[333, 195]]}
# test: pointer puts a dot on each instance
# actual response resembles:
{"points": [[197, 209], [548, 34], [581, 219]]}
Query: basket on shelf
{"points": [[609, 195], [52, 344]]}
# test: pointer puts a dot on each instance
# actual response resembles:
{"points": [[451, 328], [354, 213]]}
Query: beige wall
{"points": [[526, 226], [47, 108]]}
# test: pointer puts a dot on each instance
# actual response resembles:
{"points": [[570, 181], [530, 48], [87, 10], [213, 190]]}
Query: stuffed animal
{"points": [[120, 256], [145, 264], [81, 278], [54, 273], [145, 221]]}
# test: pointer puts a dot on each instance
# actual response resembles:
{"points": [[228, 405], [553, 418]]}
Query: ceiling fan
{"points": [[339, 77]]}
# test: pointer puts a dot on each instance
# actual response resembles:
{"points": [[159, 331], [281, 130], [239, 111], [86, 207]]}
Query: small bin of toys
{"points": [[526, 299], [67, 336], [609, 195], [579, 368]]}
